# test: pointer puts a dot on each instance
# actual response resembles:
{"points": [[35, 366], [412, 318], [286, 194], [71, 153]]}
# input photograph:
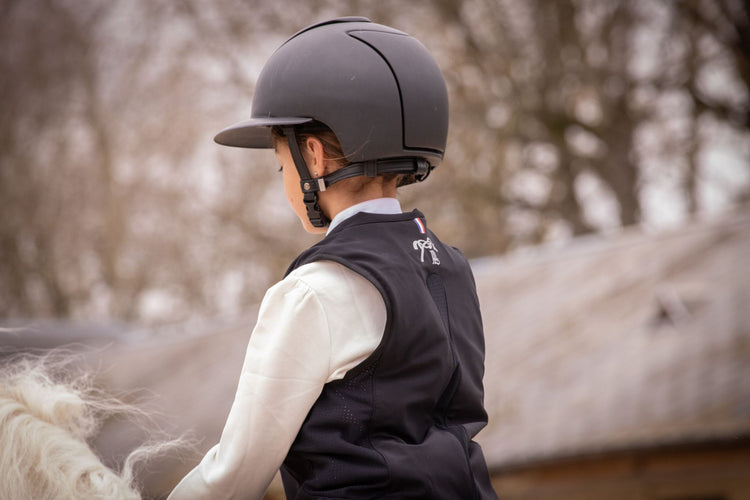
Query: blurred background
{"points": [[567, 117], [571, 121]]}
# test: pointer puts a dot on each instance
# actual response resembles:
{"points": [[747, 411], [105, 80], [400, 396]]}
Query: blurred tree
{"points": [[574, 115], [722, 27], [40, 89], [717, 35], [107, 210]]}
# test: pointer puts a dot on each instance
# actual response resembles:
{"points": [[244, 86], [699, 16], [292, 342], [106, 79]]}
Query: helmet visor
{"points": [[256, 132]]}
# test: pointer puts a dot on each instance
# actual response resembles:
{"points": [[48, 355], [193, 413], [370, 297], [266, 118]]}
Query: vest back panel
{"points": [[400, 424]]}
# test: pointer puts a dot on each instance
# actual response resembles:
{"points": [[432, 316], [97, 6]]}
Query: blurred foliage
{"points": [[567, 117]]}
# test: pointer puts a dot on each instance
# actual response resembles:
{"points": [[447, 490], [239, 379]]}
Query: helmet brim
{"points": [[256, 132]]}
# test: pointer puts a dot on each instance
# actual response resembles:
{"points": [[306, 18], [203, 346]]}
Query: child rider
{"points": [[363, 375]]}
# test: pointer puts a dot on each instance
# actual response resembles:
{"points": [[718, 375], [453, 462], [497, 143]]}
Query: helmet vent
{"points": [[424, 97]]}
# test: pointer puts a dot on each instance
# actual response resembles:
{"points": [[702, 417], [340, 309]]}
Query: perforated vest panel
{"points": [[400, 425]]}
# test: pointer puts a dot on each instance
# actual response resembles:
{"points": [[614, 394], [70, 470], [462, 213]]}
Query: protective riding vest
{"points": [[401, 423]]}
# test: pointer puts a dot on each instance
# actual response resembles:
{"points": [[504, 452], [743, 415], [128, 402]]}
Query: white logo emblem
{"points": [[427, 244]]}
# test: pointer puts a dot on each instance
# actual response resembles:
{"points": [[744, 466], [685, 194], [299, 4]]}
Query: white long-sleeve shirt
{"points": [[313, 326]]}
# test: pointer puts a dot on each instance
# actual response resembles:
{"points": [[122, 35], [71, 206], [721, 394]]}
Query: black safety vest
{"points": [[401, 423]]}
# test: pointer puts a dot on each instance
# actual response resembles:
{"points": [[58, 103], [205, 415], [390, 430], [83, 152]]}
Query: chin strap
{"points": [[310, 186]]}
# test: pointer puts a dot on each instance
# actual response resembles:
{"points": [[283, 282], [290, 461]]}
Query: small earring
{"points": [[316, 174]]}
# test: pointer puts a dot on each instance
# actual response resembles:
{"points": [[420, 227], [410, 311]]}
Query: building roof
{"points": [[618, 343]]}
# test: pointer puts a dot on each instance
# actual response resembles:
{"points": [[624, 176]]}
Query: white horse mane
{"points": [[46, 421]]}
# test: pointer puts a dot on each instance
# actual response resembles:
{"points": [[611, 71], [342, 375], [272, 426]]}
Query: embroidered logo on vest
{"points": [[427, 244]]}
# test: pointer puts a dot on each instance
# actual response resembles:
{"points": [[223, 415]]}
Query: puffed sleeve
{"points": [[285, 367]]}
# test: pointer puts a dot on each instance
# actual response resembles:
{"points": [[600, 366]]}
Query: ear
{"points": [[317, 161]]}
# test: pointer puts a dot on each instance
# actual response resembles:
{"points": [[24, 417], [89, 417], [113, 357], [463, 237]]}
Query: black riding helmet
{"points": [[378, 89]]}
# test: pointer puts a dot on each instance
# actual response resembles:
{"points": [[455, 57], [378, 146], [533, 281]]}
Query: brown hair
{"points": [[331, 145], [333, 151]]}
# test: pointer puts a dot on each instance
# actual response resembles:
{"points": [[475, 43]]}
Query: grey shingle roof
{"points": [[625, 342]]}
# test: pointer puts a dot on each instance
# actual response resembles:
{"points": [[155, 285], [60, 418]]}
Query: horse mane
{"points": [[49, 411]]}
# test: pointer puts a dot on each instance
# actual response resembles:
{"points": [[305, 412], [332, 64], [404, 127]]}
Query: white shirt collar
{"points": [[376, 206]]}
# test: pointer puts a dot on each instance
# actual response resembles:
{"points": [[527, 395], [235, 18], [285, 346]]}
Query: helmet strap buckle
{"points": [[423, 170], [314, 213]]}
